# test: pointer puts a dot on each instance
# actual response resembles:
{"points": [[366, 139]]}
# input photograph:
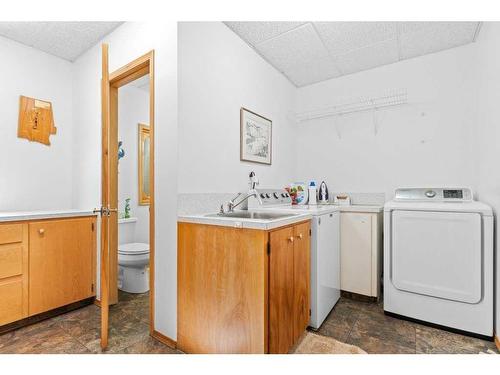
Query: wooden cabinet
{"points": [[13, 272], [360, 253], [61, 263], [242, 290], [289, 286], [44, 265]]}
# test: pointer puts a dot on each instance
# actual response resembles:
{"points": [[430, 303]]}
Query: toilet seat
{"points": [[134, 248]]}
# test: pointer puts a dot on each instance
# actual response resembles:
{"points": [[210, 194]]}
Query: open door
{"points": [[105, 210]]}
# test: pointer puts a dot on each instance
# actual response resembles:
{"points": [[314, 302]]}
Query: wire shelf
{"points": [[360, 104]]}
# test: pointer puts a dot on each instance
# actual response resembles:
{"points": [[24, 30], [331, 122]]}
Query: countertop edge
{"points": [[39, 215], [244, 224]]}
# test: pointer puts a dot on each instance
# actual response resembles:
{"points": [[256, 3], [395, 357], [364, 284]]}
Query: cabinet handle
{"points": [[300, 236], [41, 231], [290, 239]]}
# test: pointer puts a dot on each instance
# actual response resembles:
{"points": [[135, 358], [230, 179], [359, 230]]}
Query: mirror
{"points": [[144, 149]]}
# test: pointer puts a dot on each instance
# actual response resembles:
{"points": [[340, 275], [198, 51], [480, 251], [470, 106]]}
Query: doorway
{"points": [[119, 268]]}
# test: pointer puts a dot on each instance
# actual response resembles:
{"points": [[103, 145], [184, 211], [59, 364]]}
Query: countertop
{"points": [[37, 215], [243, 223]]}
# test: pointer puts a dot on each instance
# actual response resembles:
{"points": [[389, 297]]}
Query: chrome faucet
{"points": [[231, 205]]}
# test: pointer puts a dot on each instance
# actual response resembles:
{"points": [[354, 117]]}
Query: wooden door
{"points": [[61, 254], [356, 253], [281, 296], [301, 278], [105, 196]]}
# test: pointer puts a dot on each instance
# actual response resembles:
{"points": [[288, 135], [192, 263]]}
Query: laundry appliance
{"points": [[438, 259]]}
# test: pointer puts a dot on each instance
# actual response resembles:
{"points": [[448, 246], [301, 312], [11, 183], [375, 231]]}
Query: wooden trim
{"points": [[97, 302], [151, 59], [164, 339], [123, 75], [126, 74], [497, 342]]}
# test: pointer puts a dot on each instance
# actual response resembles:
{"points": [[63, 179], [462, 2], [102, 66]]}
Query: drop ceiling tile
{"points": [[318, 70], [342, 37], [257, 32], [67, 40], [427, 37], [382, 53], [298, 47]]}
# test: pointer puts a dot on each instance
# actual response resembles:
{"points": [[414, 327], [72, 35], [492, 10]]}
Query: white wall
{"points": [[425, 143], [34, 176], [133, 108], [218, 74], [126, 43], [487, 129]]}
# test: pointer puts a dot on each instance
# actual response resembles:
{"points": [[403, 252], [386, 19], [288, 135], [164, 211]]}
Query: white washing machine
{"points": [[325, 248], [438, 259]]}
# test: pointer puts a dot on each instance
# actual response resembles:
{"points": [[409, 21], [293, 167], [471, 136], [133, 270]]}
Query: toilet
{"points": [[133, 259]]}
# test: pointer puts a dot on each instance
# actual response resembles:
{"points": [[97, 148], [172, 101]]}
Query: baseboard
{"points": [[497, 342], [97, 302], [45, 315], [164, 339]]}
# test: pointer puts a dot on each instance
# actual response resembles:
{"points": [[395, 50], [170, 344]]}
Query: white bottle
{"points": [[312, 193]]}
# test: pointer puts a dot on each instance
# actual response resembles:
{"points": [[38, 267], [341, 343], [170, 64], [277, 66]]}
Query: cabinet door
{"points": [[281, 294], [356, 252], [302, 277], [13, 272], [61, 254]]}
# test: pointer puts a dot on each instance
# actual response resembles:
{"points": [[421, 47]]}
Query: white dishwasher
{"points": [[325, 266]]}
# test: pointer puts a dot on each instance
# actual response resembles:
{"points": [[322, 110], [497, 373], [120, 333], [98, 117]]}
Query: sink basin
{"points": [[253, 215]]}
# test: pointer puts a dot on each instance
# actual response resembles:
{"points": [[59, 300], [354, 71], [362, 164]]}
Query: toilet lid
{"points": [[135, 248]]}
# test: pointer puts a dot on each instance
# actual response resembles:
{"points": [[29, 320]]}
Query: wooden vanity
{"points": [[242, 290], [46, 261]]}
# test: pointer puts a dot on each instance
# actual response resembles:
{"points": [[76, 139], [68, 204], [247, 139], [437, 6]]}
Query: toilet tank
{"points": [[126, 230]]}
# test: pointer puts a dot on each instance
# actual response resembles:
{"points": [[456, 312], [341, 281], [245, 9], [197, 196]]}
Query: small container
{"points": [[312, 193]]}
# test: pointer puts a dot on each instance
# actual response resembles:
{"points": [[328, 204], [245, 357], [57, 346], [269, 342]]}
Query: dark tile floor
{"points": [[359, 323], [78, 331], [364, 324]]}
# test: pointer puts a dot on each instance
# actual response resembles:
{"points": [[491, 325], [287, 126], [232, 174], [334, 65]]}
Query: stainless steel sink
{"points": [[253, 215]]}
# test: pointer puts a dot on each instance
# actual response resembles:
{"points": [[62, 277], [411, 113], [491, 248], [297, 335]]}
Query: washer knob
{"points": [[276, 195], [262, 195], [430, 193], [267, 195]]}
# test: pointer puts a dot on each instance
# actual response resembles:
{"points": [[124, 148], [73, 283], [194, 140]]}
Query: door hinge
{"points": [[310, 232], [92, 287], [309, 312], [92, 227], [269, 248]]}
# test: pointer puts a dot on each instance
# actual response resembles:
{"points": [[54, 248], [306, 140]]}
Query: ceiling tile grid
{"points": [[310, 52], [67, 40]]}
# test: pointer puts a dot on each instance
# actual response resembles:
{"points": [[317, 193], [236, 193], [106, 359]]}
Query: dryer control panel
{"points": [[434, 194]]}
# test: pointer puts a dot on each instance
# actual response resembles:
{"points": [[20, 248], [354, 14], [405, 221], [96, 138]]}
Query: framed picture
{"points": [[255, 137]]}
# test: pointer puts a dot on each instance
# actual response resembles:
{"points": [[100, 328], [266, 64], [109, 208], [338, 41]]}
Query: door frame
{"points": [[143, 65]]}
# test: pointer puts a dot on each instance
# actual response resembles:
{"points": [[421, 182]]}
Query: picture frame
{"points": [[143, 162], [255, 137]]}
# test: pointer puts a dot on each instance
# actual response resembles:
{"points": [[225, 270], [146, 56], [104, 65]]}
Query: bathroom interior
{"points": [[133, 197]]}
